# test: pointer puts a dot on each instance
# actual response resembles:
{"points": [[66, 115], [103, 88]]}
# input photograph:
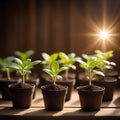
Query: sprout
{"points": [[89, 65], [23, 67], [54, 70], [4, 64], [68, 61]]}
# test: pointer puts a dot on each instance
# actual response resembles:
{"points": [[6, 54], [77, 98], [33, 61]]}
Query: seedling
{"points": [[54, 70], [4, 63], [102, 58], [24, 67], [48, 59], [68, 61], [89, 65], [24, 55]]}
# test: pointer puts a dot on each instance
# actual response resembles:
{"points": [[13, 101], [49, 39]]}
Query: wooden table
{"points": [[71, 111]]}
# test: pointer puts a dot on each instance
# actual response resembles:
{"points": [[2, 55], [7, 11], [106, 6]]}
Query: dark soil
{"points": [[91, 88], [20, 85], [53, 87]]}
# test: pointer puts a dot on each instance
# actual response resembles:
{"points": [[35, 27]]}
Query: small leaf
{"points": [[55, 66], [53, 57], [45, 56], [73, 67], [98, 72], [112, 63], [18, 61], [63, 57], [59, 77], [48, 71], [85, 56], [29, 53], [72, 55]]}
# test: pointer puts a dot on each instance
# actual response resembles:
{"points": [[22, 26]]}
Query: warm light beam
{"points": [[104, 35]]}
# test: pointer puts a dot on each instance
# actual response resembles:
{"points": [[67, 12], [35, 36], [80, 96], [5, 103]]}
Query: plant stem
{"points": [[8, 74], [23, 78], [90, 78], [66, 74], [27, 77], [54, 81]]}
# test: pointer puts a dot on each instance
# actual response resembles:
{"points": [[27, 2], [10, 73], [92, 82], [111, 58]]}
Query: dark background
{"points": [[58, 25]]}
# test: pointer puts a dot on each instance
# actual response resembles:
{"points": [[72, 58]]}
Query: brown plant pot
{"points": [[46, 80], [109, 84], [54, 96], [33, 81], [111, 73], [4, 82], [69, 83], [90, 97], [115, 74], [21, 97]]}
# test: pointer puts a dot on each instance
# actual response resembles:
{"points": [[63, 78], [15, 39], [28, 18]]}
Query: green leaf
{"points": [[27, 72], [17, 60], [45, 56], [72, 55], [98, 72], [63, 57], [24, 55], [62, 69], [59, 77], [29, 53], [85, 56], [14, 66], [55, 66], [53, 57], [112, 63], [73, 67], [18, 53], [48, 71], [35, 62]]}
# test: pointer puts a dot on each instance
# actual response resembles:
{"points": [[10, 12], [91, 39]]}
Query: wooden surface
{"points": [[71, 111]]}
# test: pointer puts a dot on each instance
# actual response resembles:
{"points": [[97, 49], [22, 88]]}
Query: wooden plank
{"points": [[71, 111]]}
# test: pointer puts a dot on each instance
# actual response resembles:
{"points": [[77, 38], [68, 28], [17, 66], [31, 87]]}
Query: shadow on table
{"points": [[10, 111], [117, 102]]}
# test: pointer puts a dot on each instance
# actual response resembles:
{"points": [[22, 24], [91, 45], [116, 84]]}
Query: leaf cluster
{"points": [[69, 60], [54, 70], [5, 62], [23, 67], [24, 55], [48, 59], [103, 57], [89, 64]]}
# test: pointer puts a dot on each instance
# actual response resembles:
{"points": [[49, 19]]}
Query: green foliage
{"points": [[24, 55], [102, 58], [89, 65], [54, 70], [23, 67], [4, 64], [48, 59], [68, 61]]}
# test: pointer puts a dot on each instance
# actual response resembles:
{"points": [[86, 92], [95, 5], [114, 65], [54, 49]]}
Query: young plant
{"points": [[89, 65], [24, 67], [48, 59], [4, 64], [68, 61], [102, 58], [24, 55], [54, 70]]}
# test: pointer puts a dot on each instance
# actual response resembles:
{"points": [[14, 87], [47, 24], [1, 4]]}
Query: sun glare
{"points": [[104, 35]]}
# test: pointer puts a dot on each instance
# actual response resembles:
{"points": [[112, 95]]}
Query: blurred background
{"points": [[59, 25]]}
